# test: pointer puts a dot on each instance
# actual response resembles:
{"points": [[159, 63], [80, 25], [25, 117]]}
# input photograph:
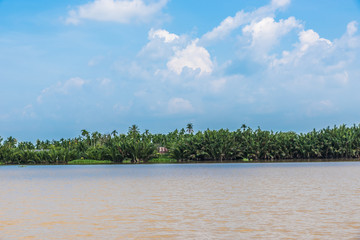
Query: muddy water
{"points": [[203, 201]]}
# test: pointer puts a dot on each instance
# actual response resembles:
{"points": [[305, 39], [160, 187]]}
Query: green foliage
{"points": [[88, 162], [162, 158], [244, 144]]}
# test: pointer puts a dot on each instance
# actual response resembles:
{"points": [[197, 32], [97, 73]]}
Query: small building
{"points": [[162, 150]]}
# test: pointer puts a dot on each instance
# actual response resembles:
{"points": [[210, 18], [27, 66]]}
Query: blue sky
{"points": [[102, 65]]}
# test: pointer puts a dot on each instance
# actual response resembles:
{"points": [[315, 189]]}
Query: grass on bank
{"points": [[88, 162], [162, 159], [159, 159]]}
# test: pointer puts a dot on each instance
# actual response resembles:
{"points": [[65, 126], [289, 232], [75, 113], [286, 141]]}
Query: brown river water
{"points": [[181, 201]]}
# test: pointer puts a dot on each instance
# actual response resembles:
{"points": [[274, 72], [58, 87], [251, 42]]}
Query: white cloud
{"points": [[161, 45], [179, 105], [264, 78], [193, 57], [352, 28], [310, 49], [72, 83], [267, 32], [309, 38], [280, 3], [351, 38], [227, 26], [62, 87], [121, 11], [231, 23], [162, 34]]}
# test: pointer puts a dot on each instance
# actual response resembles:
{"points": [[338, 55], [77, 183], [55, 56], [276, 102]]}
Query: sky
{"points": [[103, 65]]}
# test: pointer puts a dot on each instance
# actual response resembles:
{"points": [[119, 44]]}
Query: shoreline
{"points": [[97, 162]]}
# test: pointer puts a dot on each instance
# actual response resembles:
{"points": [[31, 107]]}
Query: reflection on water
{"points": [[187, 201]]}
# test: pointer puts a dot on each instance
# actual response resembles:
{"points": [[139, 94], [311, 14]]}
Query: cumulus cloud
{"points": [[179, 105], [161, 45], [121, 11], [162, 34], [268, 60], [194, 57], [267, 32], [229, 24], [310, 50], [309, 38]]}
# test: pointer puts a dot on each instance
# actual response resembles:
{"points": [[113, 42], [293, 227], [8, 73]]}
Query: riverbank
{"points": [[174, 161]]}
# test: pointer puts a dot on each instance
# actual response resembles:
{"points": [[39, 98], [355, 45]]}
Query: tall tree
{"points": [[189, 128]]}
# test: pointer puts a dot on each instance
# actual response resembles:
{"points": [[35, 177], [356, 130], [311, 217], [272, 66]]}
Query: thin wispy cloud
{"points": [[121, 11]]}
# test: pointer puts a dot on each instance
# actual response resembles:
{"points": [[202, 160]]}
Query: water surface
{"points": [[181, 201]]}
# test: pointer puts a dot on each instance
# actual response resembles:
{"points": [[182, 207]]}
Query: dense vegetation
{"points": [[244, 144]]}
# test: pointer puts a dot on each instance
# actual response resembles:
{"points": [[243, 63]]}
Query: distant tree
{"points": [[189, 128], [134, 130], [114, 133], [10, 142], [84, 133]]}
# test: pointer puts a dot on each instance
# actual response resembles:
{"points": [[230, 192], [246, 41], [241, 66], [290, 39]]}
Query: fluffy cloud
{"points": [[352, 28], [231, 23], [162, 34], [161, 44], [121, 11], [267, 32], [309, 50], [253, 73], [193, 57], [309, 38]]}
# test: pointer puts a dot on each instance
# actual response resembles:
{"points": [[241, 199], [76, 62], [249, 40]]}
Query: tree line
{"points": [[244, 144]]}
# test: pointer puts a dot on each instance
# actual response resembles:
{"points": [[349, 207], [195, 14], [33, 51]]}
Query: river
{"points": [[181, 201]]}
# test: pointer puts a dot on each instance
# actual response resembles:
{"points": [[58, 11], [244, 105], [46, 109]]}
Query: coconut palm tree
{"points": [[189, 128]]}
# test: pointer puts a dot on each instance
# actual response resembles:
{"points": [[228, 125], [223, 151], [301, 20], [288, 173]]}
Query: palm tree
{"points": [[189, 128], [10, 142], [134, 129], [84, 133], [114, 133]]}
